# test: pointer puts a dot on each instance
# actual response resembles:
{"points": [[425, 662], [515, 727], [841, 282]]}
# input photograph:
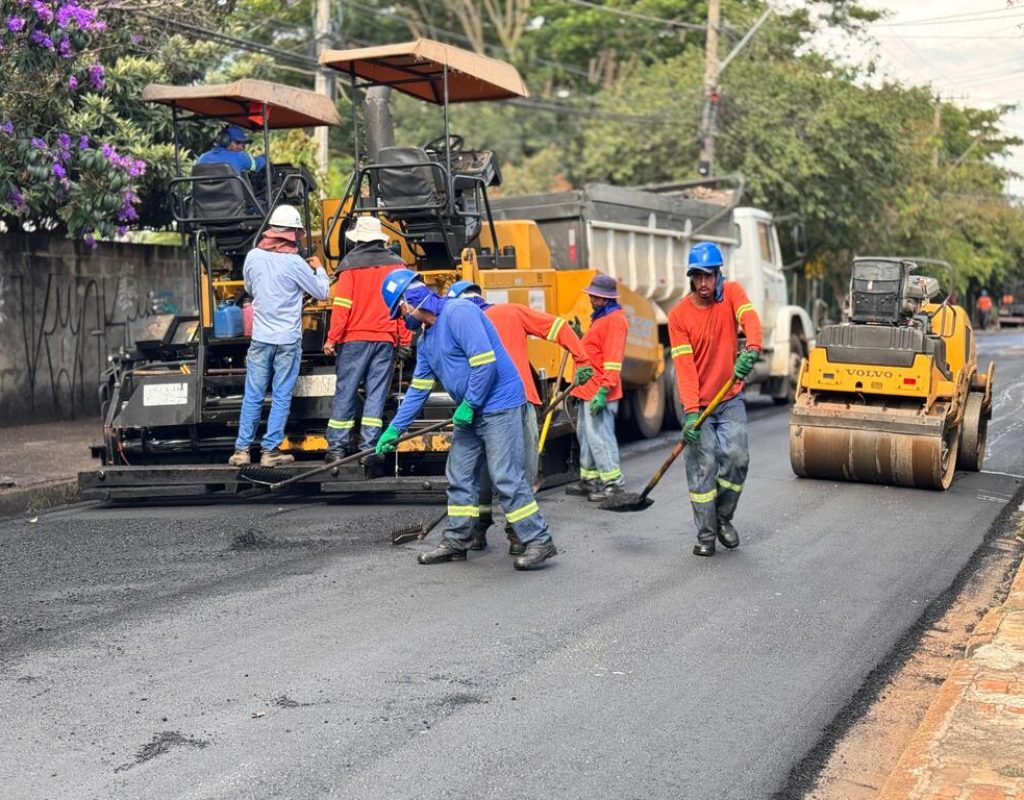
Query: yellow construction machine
{"points": [[893, 395]]}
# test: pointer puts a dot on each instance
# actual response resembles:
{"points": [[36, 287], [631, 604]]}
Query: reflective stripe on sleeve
{"points": [[344, 302], [736, 487], [556, 326], [682, 350], [743, 309], [522, 513], [612, 366], [482, 358], [426, 384], [463, 511], [703, 497], [341, 424]]}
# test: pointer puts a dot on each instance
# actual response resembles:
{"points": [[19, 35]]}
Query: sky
{"points": [[970, 53]]}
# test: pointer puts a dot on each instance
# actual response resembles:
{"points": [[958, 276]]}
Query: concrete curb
{"points": [[38, 496], [969, 744]]}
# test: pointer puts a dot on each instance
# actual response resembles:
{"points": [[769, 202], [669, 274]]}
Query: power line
{"points": [[1000, 17], [692, 26], [967, 16]]}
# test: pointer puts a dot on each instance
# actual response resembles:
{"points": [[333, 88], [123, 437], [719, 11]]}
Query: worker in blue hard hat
{"points": [[461, 348], [229, 148], [703, 333]]}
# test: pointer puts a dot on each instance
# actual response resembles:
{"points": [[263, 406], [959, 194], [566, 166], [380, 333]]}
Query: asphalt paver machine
{"points": [[893, 395]]}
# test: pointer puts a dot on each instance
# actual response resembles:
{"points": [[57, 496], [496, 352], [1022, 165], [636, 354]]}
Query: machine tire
{"points": [[647, 408], [797, 351], [973, 433], [674, 413]]}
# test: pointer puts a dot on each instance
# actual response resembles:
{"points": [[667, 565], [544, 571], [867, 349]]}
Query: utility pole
{"points": [[706, 136], [937, 130], [325, 83]]}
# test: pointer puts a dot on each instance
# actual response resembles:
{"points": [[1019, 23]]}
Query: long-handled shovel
{"points": [[551, 406], [638, 502], [264, 476]]}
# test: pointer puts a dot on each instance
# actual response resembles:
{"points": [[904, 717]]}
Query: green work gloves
{"points": [[691, 433], [744, 363], [583, 374], [599, 402], [576, 327], [386, 442], [463, 414]]}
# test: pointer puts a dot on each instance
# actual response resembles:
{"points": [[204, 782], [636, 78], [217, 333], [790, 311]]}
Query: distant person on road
{"points": [[230, 149], [363, 338], [983, 307], [276, 277], [703, 334], [605, 346], [461, 348], [515, 324]]}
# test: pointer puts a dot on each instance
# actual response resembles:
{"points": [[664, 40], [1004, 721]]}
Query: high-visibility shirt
{"points": [[358, 313], [985, 303], [704, 343], [515, 323], [462, 351], [605, 346]]}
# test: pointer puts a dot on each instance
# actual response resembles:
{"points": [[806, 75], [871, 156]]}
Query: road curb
{"points": [[38, 496], [968, 745]]}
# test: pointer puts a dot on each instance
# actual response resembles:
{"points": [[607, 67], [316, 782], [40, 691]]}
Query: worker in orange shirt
{"points": [[515, 323], [363, 337], [703, 332], [605, 345], [984, 309]]}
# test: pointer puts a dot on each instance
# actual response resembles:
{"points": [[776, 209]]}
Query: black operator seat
{"points": [[224, 205], [406, 181]]}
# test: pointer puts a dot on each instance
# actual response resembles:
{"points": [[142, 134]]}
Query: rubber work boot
{"points": [[240, 458], [580, 488], [535, 554], [727, 535], [604, 491], [446, 550], [478, 541], [333, 456], [704, 548], [275, 458], [515, 547]]}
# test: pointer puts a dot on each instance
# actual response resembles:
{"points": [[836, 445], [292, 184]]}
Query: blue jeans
{"points": [[355, 363], [497, 437], [599, 449], [265, 363], [716, 467], [531, 435]]}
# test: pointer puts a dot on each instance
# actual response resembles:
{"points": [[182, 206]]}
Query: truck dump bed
{"points": [[640, 238]]}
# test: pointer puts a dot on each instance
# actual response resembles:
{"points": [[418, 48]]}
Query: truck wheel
{"points": [[674, 414], [797, 352], [647, 408]]}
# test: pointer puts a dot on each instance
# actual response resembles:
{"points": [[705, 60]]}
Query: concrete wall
{"points": [[63, 307]]}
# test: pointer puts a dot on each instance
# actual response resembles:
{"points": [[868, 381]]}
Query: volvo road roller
{"points": [[893, 395]]}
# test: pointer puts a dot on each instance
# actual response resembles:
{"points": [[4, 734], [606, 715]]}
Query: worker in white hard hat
{"points": [[276, 277]]}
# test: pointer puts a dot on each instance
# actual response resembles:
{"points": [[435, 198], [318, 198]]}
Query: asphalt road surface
{"points": [[288, 651]]}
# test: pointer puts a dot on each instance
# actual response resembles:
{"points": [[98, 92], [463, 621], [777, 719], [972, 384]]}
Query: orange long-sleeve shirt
{"points": [[704, 343], [358, 313], [605, 345], [515, 323]]}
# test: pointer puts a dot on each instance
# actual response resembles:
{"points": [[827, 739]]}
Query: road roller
{"points": [[893, 394]]}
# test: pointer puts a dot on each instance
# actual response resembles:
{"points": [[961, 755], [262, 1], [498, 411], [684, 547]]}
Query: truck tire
{"points": [[674, 414], [647, 408], [797, 351]]}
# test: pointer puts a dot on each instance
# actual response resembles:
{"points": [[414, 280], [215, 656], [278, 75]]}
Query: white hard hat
{"points": [[286, 217], [366, 229]]}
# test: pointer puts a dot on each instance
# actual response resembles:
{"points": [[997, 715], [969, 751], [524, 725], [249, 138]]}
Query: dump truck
{"points": [[893, 395]]}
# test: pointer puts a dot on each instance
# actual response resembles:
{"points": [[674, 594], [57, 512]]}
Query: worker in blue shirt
{"points": [[460, 347], [230, 149]]}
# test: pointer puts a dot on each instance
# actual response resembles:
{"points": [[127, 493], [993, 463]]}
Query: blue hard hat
{"points": [[236, 133], [394, 287], [459, 287], [704, 257]]}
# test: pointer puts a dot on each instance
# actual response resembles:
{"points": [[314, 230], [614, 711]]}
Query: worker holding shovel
{"points": [[703, 332]]}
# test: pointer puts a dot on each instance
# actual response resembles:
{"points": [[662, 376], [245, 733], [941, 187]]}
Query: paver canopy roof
{"points": [[417, 68], [241, 103]]}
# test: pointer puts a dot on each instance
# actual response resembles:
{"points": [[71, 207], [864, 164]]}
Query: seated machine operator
{"points": [[230, 149]]}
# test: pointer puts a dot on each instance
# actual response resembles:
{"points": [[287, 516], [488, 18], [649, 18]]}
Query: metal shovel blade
{"points": [[626, 502]]}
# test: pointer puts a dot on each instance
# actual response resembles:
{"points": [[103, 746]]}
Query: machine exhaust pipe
{"points": [[380, 128]]}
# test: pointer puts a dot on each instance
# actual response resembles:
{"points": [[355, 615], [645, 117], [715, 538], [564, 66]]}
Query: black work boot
{"points": [[704, 548], [580, 488], [333, 456], [535, 554], [727, 535], [478, 541], [515, 547], [604, 491], [446, 550]]}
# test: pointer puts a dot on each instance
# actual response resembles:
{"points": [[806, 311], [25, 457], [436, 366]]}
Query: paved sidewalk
{"points": [[970, 745], [39, 464]]}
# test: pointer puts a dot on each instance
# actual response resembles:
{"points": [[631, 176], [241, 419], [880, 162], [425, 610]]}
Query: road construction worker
{"points": [[702, 329], [362, 337], [605, 345], [230, 149], [984, 310], [515, 324], [276, 277], [461, 348]]}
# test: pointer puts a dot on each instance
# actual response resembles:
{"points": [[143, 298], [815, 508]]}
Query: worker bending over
{"points": [[605, 346], [276, 277], [515, 324], [363, 337], [230, 149], [460, 347], [702, 329]]}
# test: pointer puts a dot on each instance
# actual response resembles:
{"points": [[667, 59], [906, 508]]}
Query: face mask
{"points": [[412, 323]]}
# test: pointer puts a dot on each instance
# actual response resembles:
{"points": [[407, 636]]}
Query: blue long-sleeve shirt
{"points": [[463, 351], [277, 282], [240, 160]]}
